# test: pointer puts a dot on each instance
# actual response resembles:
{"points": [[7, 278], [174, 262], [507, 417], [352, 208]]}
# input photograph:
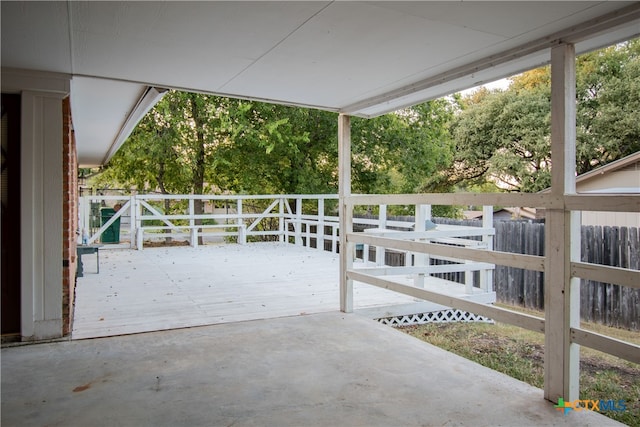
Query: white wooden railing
{"points": [[299, 227], [239, 217], [297, 219], [565, 205]]}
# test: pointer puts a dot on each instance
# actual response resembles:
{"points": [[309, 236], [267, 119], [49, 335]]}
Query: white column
{"points": [[84, 216], [133, 213], [562, 236], [281, 225], [139, 229], [382, 224], [298, 225], [41, 206], [320, 226], [486, 276], [346, 214], [192, 224], [422, 214], [242, 235]]}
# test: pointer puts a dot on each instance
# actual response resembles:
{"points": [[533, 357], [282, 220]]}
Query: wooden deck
{"points": [[175, 287]]}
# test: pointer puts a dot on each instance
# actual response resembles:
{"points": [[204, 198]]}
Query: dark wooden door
{"points": [[10, 215]]}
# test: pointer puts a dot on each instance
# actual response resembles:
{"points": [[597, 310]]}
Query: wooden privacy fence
{"points": [[604, 303]]}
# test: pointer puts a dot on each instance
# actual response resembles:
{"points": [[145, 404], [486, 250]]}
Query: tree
{"points": [[278, 149], [193, 143], [504, 136], [397, 152], [608, 117], [150, 159]]}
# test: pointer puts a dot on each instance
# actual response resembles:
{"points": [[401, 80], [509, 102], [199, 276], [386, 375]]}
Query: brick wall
{"points": [[69, 217]]}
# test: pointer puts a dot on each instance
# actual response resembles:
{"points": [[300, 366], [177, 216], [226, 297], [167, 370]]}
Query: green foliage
{"points": [[608, 117], [279, 149], [504, 136], [397, 153], [192, 143]]}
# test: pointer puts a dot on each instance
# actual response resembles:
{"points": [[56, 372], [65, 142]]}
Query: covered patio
{"points": [[84, 73]]}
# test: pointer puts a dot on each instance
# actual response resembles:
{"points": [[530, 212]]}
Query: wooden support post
{"points": [[422, 214], [320, 226], [139, 229], [486, 276], [242, 235], [468, 280], [298, 224], [382, 224], [334, 239], [133, 212], [562, 242], [192, 222], [346, 213], [281, 223], [85, 217]]}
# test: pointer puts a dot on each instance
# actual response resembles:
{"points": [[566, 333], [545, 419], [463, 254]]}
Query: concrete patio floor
{"points": [[324, 369]]}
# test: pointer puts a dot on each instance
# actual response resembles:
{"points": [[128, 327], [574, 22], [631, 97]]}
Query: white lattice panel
{"points": [[444, 316]]}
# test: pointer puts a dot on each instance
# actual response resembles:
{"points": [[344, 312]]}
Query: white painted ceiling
{"points": [[360, 58]]}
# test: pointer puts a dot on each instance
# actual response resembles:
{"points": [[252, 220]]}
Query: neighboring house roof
{"points": [[472, 214], [619, 177], [629, 184], [628, 163], [512, 213]]}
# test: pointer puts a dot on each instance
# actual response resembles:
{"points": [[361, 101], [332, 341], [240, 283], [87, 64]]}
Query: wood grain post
{"points": [[562, 237], [422, 214], [346, 212]]}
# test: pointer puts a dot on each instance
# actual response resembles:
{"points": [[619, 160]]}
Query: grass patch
{"points": [[519, 353]]}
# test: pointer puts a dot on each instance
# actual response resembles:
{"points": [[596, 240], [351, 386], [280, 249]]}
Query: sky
{"points": [[498, 84]]}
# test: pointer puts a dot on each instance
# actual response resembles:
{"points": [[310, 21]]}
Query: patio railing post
{"points": [[486, 276], [84, 215], [346, 212], [192, 222], [133, 206], [242, 236], [423, 213], [298, 225], [139, 230], [320, 226], [382, 224], [281, 222]]}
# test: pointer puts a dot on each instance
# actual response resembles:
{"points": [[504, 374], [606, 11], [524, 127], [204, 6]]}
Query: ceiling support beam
{"points": [[147, 101], [346, 212], [562, 239]]}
